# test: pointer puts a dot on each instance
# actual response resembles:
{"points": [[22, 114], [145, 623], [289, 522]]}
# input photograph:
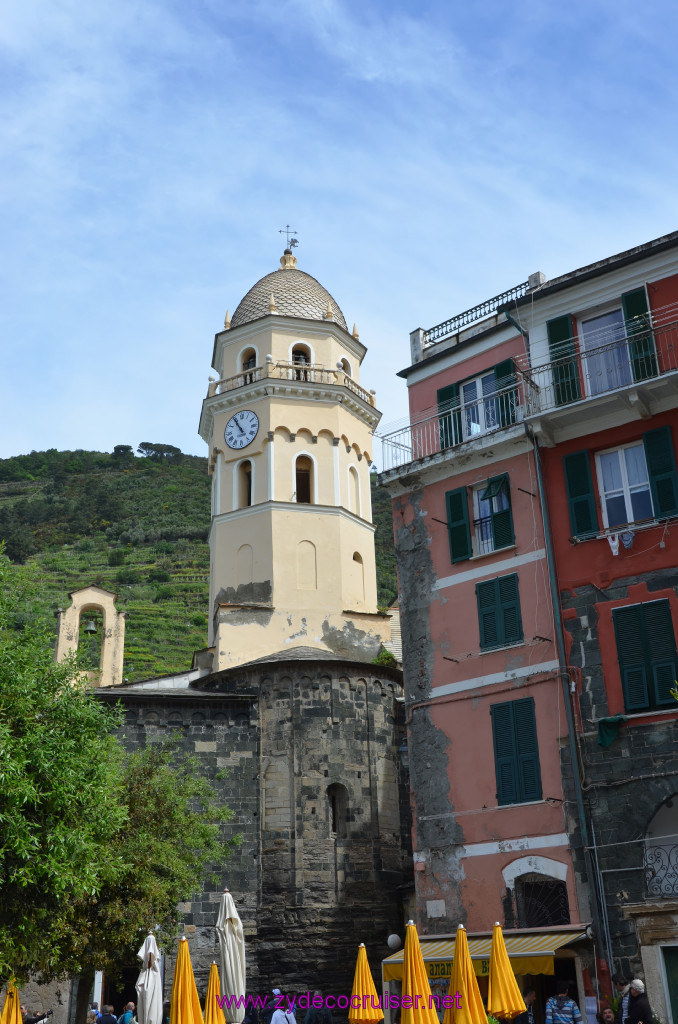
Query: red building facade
{"points": [[535, 496]]}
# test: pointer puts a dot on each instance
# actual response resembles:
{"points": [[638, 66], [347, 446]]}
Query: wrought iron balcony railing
{"points": [[661, 871], [304, 373]]}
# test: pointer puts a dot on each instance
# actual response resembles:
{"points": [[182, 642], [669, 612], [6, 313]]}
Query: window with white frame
{"points": [[606, 360], [624, 484], [479, 409]]}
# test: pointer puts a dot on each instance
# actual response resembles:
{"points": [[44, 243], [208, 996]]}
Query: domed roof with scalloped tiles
{"points": [[295, 293]]}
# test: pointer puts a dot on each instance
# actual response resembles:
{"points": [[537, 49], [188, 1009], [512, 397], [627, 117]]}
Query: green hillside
{"points": [[137, 525]]}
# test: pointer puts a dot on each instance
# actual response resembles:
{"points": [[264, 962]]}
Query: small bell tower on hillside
{"points": [[290, 430]]}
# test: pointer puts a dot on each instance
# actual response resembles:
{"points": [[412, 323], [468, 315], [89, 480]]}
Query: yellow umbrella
{"points": [[185, 1007], [213, 1012], [415, 983], [367, 1007], [467, 1005], [503, 995], [11, 1011]]}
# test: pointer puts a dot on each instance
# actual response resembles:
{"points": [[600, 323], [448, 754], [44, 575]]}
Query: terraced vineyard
{"points": [[138, 527]]}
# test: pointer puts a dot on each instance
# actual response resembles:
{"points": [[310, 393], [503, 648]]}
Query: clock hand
{"points": [[235, 420]]}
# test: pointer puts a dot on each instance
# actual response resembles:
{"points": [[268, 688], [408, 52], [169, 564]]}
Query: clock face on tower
{"points": [[241, 429]]}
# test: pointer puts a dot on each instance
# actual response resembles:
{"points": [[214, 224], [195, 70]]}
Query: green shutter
{"points": [[503, 736], [661, 650], [516, 752], [449, 416], [636, 650], [661, 466], [563, 353], [583, 514], [509, 602], [486, 596], [628, 629], [502, 521], [458, 526], [505, 377], [639, 334], [499, 611], [529, 776]]}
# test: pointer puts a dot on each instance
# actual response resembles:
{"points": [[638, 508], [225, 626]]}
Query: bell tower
{"points": [[289, 429]]}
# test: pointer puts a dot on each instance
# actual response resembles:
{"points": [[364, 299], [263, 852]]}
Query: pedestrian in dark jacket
{"points": [[639, 1006], [107, 1017]]}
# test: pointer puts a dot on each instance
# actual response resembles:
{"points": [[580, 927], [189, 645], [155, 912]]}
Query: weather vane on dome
{"points": [[289, 232]]}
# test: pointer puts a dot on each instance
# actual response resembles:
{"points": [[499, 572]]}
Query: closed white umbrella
{"points": [[148, 986], [232, 950]]}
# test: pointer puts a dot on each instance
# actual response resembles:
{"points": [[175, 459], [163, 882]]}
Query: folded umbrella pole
{"points": [[367, 1010], [232, 950], [417, 1007], [11, 1011], [503, 995], [148, 985], [466, 1004], [185, 1005], [213, 1011]]}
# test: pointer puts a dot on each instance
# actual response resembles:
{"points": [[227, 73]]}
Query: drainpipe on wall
{"points": [[565, 680]]}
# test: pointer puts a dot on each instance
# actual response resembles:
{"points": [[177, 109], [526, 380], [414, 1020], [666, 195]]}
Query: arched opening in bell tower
{"points": [[301, 358], [90, 638], [303, 480], [346, 367], [245, 484], [249, 361]]}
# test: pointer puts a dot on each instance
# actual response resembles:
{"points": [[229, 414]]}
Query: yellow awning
{"points": [[529, 953]]}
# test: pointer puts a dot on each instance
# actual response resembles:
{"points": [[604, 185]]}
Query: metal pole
{"points": [[564, 676]]}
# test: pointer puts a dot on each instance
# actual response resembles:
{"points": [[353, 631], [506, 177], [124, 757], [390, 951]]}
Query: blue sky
{"points": [[428, 154]]}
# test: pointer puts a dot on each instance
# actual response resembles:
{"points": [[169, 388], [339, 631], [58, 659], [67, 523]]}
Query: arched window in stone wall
{"points": [[661, 851], [358, 579], [304, 483], [337, 800], [245, 484], [346, 367], [541, 901]]}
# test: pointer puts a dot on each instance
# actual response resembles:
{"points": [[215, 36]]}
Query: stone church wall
{"points": [[314, 781]]}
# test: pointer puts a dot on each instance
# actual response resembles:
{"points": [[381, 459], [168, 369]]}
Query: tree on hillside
{"points": [[61, 773], [94, 844]]}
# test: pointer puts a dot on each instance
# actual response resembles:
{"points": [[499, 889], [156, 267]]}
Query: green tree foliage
{"points": [[173, 832], [94, 844], [61, 779]]}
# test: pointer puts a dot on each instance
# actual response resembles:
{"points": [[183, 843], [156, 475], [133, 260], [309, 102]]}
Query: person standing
{"points": [[560, 1009], [622, 985], [639, 1006], [127, 1016], [283, 1016], [529, 1017], [108, 1017]]}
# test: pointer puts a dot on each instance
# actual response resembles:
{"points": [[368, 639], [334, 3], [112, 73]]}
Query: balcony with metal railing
{"points": [[449, 427], [285, 370], [600, 365]]}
